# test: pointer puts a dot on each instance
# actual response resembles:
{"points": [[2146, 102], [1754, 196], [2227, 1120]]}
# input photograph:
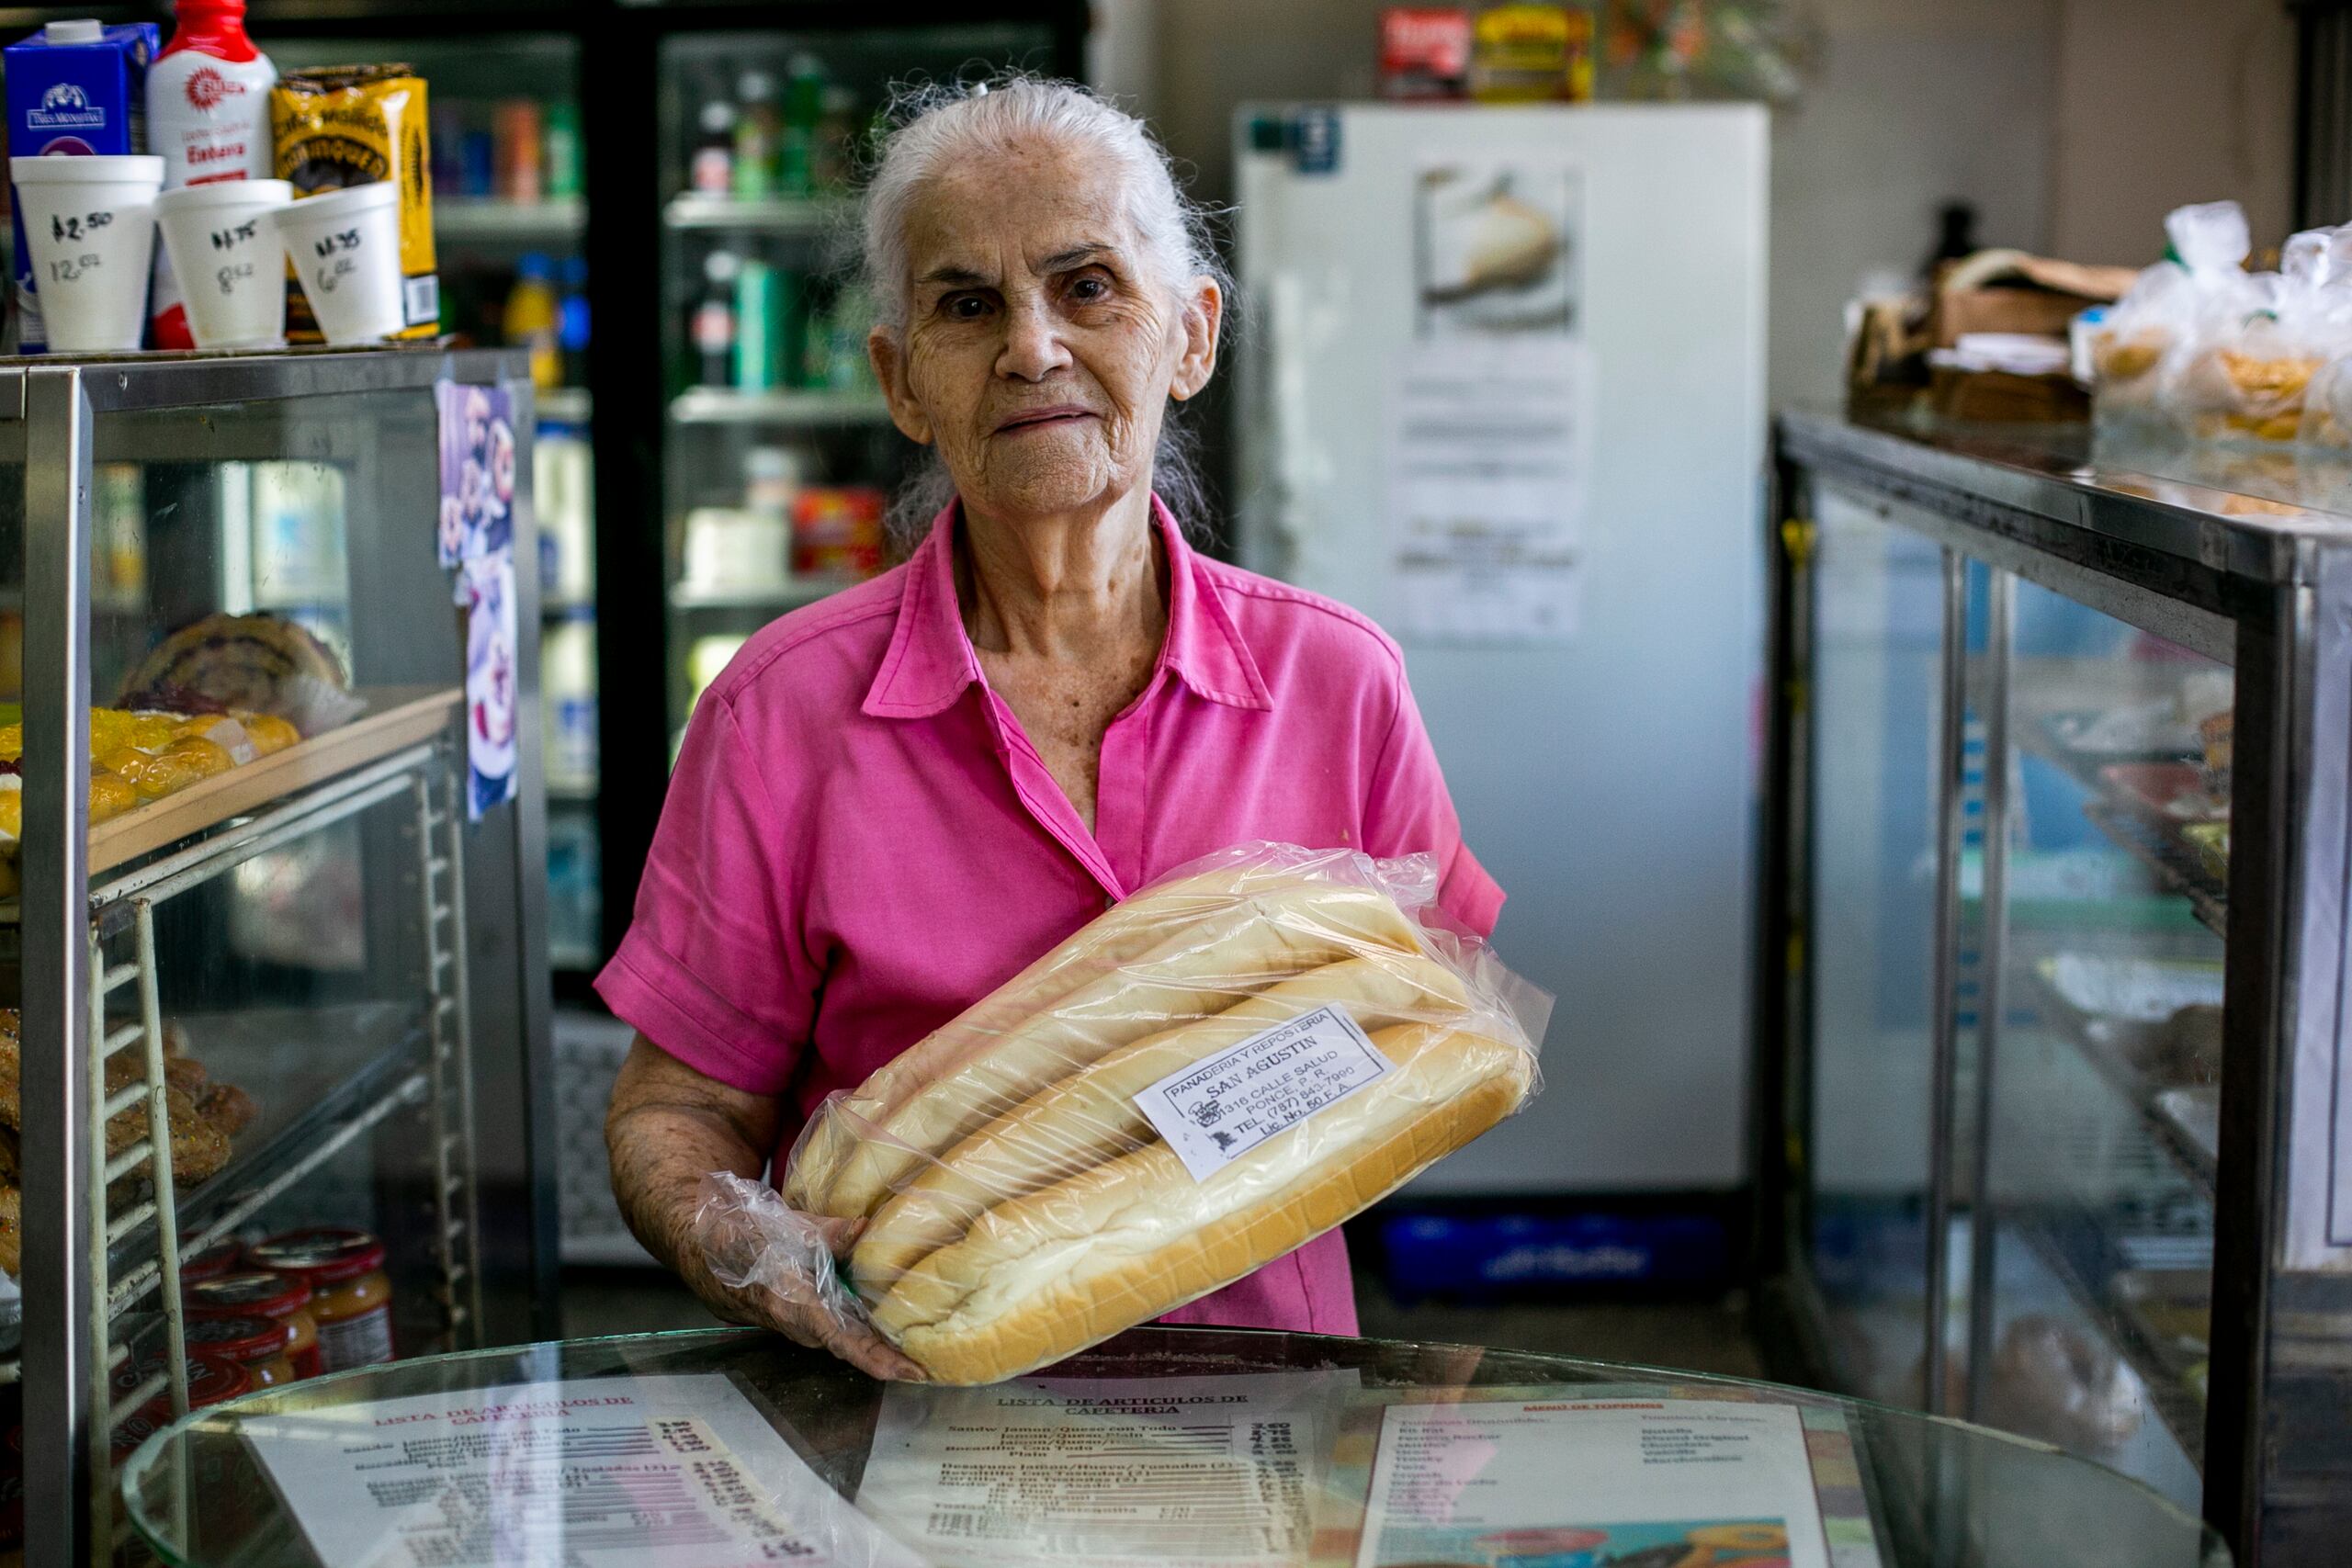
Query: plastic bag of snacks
{"points": [[2248, 382], [2201, 290], [1219, 1069], [2327, 402]]}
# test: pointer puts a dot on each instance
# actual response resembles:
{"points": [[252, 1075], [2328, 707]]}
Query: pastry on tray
{"points": [[260, 663], [203, 1116], [139, 757]]}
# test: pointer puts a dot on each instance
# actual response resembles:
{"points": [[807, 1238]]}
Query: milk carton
{"points": [[208, 115], [77, 88]]}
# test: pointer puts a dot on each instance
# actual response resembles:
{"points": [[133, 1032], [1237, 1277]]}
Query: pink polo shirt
{"points": [[859, 842]]}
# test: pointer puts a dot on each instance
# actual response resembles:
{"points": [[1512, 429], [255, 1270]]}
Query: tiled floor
{"points": [[1704, 1337]]}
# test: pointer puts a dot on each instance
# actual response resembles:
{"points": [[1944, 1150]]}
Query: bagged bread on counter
{"points": [[2194, 300], [1216, 1070], [2251, 385]]}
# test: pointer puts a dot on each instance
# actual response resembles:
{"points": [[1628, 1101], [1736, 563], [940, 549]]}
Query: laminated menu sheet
{"points": [[1580, 1481], [1111, 1473], [650, 1472]]}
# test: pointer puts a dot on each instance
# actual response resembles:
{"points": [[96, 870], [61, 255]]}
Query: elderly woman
{"points": [[893, 801]]}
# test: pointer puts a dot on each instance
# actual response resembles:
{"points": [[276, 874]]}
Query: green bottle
{"points": [[756, 320], [757, 128], [804, 106], [563, 133]]}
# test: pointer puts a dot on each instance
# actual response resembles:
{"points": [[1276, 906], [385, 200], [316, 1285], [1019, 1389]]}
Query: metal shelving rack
{"points": [[2246, 564], [461, 904]]}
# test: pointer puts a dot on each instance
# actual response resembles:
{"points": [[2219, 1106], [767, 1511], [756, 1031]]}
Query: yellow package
{"points": [[1528, 55], [353, 125]]}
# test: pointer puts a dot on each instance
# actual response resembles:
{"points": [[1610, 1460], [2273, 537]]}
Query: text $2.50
{"points": [[64, 228]]}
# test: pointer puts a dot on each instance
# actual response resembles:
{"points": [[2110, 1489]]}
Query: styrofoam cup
{"points": [[346, 247], [229, 259], [90, 224]]}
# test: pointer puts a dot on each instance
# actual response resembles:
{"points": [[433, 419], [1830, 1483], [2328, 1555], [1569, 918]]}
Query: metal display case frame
{"points": [[475, 943], [2263, 584]]}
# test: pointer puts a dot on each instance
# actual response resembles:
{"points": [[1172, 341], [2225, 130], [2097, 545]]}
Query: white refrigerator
{"points": [[1502, 390]]}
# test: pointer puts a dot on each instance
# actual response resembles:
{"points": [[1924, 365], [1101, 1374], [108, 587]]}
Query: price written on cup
{"points": [[337, 257], [234, 237], [67, 268], [77, 226]]}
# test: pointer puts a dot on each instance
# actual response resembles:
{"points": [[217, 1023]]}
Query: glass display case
{"points": [[273, 1079], [2047, 988]]}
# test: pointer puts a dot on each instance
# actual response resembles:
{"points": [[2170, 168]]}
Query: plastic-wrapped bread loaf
{"points": [[1195, 973], [1212, 1074], [1090, 1116], [1039, 1277], [1124, 934]]}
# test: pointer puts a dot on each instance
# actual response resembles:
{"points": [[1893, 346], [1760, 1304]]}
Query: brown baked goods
{"points": [[12, 1229], [200, 1116], [227, 1107], [264, 663]]}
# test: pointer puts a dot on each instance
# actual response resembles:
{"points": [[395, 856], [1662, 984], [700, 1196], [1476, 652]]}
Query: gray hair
{"points": [[933, 126]]}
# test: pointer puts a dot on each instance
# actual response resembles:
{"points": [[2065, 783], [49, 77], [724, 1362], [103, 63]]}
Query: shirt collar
{"points": [[930, 659]]}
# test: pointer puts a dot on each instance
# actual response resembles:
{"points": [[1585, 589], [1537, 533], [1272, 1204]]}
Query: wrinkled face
{"points": [[1039, 351]]}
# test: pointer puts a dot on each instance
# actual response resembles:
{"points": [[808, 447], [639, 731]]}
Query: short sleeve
{"points": [[713, 969], [1408, 811]]}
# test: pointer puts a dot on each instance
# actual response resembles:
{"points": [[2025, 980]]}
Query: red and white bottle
{"points": [[208, 118]]}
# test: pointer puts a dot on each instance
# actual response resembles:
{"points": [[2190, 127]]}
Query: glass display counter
{"points": [[2053, 911], [272, 995], [1198, 1445]]}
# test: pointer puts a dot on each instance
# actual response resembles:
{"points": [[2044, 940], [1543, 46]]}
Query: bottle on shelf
{"points": [[804, 106], [772, 479], [711, 171], [478, 163], [531, 319], [515, 133], [567, 657], [571, 322], [712, 326], [756, 320], [757, 125], [834, 158], [208, 115], [836, 357], [561, 154], [448, 136]]}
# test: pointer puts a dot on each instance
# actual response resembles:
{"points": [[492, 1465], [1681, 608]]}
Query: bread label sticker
{"points": [[1214, 1112]]}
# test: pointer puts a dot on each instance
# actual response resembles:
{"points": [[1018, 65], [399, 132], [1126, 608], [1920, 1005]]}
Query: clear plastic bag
{"points": [[2248, 381], [2200, 290], [1221, 1067]]}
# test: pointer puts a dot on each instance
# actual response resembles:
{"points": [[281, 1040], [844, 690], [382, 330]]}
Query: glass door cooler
{"points": [[510, 220], [778, 453]]}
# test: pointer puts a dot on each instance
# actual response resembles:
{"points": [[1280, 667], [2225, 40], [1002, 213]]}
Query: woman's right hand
{"points": [[791, 1302], [668, 1128]]}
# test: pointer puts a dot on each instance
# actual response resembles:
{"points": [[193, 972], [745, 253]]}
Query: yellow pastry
{"points": [[111, 795], [268, 732]]}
